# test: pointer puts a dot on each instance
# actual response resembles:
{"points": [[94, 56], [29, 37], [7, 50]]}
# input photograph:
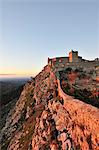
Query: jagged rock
{"points": [[47, 118]]}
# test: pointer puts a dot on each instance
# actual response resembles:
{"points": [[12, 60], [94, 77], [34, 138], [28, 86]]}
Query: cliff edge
{"points": [[46, 118]]}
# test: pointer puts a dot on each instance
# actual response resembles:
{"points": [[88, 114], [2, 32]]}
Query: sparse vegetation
{"points": [[29, 97], [10, 91], [10, 95], [78, 89]]}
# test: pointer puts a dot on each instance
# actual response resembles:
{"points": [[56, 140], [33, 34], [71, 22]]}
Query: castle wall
{"points": [[74, 61], [86, 66], [80, 59], [58, 60], [90, 68], [83, 119]]}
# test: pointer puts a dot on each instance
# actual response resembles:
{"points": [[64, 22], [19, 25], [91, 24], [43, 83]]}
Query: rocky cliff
{"points": [[46, 118]]}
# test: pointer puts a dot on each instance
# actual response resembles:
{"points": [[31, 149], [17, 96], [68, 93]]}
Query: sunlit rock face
{"points": [[46, 118]]}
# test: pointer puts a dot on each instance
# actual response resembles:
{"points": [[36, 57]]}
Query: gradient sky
{"points": [[33, 30]]}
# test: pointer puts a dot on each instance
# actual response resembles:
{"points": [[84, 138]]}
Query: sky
{"points": [[33, 30]]}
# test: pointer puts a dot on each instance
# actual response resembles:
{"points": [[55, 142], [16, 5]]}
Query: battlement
{"points": [[73, 57]]}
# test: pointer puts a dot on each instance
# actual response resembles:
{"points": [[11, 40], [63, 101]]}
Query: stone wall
{"points": [[57, 60], [85, 65], [63, 62], [83, 124]]}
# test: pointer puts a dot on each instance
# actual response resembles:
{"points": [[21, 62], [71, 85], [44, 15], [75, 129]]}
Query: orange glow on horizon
{"points": [[18, 73]]}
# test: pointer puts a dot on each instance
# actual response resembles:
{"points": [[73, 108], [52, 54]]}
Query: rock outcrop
{"points": [[45, 118]]}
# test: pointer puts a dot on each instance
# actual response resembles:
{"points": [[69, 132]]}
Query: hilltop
{"points": [[50, 116]]}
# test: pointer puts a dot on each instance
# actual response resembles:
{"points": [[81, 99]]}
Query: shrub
{"points": [[67, 88], [68, 70]]}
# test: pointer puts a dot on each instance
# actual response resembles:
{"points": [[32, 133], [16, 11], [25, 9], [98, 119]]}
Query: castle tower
{"points": [[73, 56]]}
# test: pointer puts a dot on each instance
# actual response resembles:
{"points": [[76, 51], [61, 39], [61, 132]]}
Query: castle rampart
{"points": [[73, 61], [82, 115]]}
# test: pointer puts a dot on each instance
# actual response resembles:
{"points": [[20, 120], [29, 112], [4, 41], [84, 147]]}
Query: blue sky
{"points": [[31, 31]]}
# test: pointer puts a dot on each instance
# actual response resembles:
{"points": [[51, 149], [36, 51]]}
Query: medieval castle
{"points": [[74, 61]]}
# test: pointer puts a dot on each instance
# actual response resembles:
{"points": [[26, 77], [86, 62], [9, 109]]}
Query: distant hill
{"points": [[10, 90]]}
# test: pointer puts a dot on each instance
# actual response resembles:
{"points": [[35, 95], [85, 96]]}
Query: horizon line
{"points": [[16, 74]]}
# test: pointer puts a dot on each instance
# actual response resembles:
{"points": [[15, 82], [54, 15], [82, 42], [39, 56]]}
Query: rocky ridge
{"points": [[45, 117]]}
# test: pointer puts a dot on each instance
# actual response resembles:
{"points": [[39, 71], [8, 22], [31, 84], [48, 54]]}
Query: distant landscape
{"points": [[49, 75], [10, 90]]}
